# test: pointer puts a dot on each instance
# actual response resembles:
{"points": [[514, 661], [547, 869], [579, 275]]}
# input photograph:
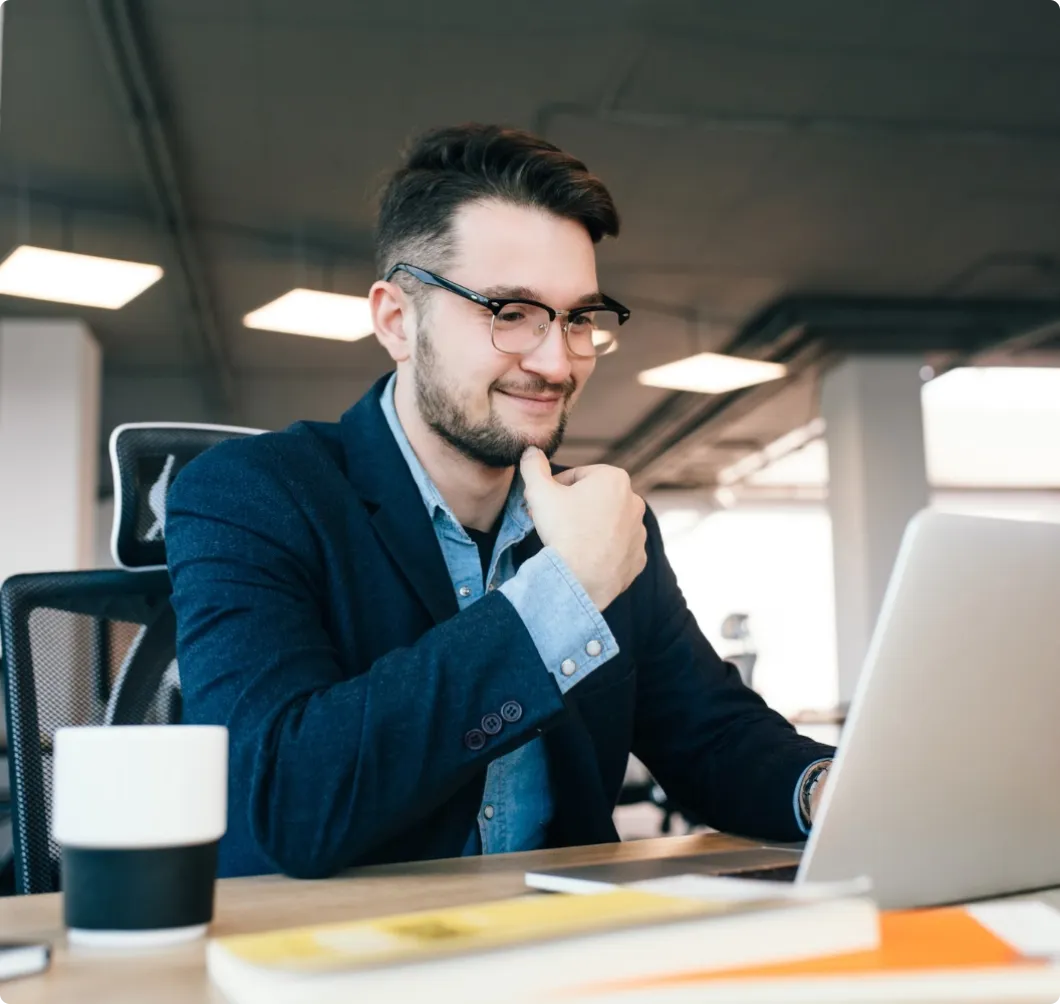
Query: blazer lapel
{"points": [[378, 473], [406, 532]]}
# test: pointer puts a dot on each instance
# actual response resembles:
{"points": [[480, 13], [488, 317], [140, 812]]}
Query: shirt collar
{"points": [[515, 508]]}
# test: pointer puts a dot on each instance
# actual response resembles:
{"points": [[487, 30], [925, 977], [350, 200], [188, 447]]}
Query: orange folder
{"points": [[935, 942]]}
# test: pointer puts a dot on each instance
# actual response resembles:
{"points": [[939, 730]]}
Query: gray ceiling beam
{"points": [[123, 45]]}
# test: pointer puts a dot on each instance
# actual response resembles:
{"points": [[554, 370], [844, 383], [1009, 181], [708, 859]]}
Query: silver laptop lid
{"points": [[947, 782]]}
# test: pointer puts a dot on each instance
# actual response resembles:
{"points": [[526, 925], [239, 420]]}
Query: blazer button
{"points": [[511, 711], [474, 740], [492, 724]]}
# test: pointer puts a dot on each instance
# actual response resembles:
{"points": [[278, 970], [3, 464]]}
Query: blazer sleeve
{"points": [[710, 741], [327, 765]]}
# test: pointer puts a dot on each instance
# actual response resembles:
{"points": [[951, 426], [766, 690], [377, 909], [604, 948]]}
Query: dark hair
{"points": [[446, 168]]}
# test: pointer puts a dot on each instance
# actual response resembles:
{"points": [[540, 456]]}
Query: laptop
{"points": [[946, 784]]}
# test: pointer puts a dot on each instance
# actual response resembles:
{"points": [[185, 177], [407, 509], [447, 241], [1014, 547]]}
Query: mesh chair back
{"points": [[94, 648], [69, 640], [146, 458]]}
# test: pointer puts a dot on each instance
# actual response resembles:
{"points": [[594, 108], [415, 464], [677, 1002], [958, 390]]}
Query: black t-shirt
{"points": [[485, 540]]}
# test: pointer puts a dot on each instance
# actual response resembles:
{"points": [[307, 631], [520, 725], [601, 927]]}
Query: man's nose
{"points": [[550, 359]]}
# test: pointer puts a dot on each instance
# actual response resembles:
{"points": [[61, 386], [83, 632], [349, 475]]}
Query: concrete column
{"points": [[49, 445], [877, 482]]}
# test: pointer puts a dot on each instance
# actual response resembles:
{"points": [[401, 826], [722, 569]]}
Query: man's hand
{"points": [[592, 519]]}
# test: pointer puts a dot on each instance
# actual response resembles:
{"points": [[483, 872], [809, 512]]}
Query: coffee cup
{"points": [[138, 811]]}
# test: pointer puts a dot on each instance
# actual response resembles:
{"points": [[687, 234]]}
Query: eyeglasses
{"points": [[519, 326]]}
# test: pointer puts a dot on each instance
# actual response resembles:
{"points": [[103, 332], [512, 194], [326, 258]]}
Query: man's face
{"points": [[487, 404]]}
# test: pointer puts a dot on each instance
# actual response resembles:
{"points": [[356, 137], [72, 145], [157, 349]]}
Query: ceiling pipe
{"points": [[122, 44]]}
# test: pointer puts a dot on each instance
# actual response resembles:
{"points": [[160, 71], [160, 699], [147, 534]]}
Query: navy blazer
{"points": [[317, 621]]}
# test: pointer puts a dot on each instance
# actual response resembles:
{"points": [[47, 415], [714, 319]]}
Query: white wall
{"points": [[49, 434], [773, 563]]}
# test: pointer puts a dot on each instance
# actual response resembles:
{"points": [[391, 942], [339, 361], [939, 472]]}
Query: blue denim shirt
{"points": [[560, 618]]}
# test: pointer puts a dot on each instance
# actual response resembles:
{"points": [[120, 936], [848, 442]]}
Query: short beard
{"points": [[490, 443]]}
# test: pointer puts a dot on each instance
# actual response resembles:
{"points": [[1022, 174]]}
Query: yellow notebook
{"points": [[416, 937], [532, 946]]}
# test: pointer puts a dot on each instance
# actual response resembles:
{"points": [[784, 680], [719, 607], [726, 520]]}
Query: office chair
{"points": [[7, 861], [145, 458], [68, 638], [735, 627], [94, 647]]}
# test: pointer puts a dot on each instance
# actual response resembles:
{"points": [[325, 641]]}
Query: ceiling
{"points": [[761, 153]]}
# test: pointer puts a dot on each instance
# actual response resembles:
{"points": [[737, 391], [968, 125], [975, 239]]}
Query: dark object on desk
{"points": [[769, 863], [23, 958], [94, 647]]}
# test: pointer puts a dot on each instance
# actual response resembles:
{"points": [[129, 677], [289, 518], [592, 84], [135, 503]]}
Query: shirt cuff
{"points": [[804, 824], [570, 634]]}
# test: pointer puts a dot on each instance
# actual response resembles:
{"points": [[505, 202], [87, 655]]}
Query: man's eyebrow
{"points": [[526, 293], [512, 293]]}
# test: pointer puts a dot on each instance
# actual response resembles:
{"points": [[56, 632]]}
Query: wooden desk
{"points": [[80, 976]]}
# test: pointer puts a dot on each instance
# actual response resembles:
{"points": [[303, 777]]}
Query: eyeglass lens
{"points": [[520, 327]]}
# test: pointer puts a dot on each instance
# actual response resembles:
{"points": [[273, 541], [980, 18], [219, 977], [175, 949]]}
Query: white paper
{"points": [[1031, 928]]}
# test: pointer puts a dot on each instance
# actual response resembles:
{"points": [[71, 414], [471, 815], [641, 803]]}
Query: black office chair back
{"points": [[69, 638], [145, 459], [99, 647]]}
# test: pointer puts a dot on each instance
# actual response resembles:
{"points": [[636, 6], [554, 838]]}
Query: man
{"points": [[423, 641]]}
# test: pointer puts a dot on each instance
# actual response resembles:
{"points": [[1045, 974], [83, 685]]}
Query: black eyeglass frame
{"points": [[496, 305]]}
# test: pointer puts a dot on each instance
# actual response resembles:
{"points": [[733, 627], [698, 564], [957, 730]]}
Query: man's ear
{"points": [[393, 318]]}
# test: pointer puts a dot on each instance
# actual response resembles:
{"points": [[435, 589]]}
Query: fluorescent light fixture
{"points": [[64, 277], [314, 313], [710, 373]]}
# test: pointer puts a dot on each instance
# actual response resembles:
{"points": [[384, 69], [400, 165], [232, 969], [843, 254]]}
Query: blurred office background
{"points": [[864, 193]]}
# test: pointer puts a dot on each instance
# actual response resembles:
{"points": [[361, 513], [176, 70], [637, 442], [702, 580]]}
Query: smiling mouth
{"points": [[536, 398]]}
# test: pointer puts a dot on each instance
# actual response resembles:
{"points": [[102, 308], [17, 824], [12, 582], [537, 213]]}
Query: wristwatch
{"points": [[813, 778]]}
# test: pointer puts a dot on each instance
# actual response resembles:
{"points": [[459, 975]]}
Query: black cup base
{"points": [[141, 889]]}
